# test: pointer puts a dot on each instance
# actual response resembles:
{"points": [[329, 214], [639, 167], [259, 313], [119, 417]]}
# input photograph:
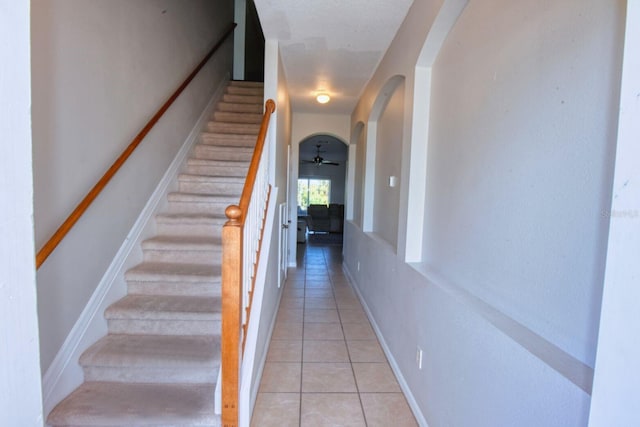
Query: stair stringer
{"points": [[65, 373]]}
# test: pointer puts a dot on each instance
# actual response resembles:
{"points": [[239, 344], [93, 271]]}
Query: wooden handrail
{"points": [[245, 198], [232, 256], [82, 207]]}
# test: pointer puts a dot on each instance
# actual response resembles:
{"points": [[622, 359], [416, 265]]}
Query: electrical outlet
{"points": [[419, 358]]}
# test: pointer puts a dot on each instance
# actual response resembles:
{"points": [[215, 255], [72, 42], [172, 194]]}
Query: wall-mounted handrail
{"points": [[82, 207], [241, 244]]}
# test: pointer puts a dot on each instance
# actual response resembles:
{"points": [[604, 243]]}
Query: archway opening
{"points": [[321, 188]]}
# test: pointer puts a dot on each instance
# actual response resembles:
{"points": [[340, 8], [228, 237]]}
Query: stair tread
{"points": [[246, 83], [126, 404], [205, 134], [158, 366], [173, 272], [165, 307], [234, 128], [240, 107], [212, 178], [225, 148], [179, 196], [191, 218], [243, 90], [236, 163], [238, 117], [153, 351], [183, 243], [220, 138]]}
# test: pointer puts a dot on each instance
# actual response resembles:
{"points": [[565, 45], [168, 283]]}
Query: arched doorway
{"points": [[321, 187]]}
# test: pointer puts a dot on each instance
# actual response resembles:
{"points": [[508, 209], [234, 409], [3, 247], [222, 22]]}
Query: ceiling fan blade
{"points": [[327, 162]]}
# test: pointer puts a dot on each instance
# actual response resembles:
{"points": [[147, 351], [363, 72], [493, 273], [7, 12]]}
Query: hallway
{"points": [[325, 366]]}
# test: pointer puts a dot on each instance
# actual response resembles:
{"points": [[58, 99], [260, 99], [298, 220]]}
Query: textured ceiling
{"points": [[330, 45]]}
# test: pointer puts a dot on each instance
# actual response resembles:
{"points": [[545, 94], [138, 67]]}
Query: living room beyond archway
{"points": [[321, 185]]}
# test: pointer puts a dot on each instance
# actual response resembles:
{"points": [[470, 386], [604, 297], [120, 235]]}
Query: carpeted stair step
{"points": [[153, 359], [174, 279], [159, 364], [241, 90], [137, 404], [221, 152], [217, 167], [240, 107], [228, 139], [199, 203], [232, 117], [246, 83], [164, 315], [204, 184], [243, 99], [235, 128], [190, 224], [188, 249]]}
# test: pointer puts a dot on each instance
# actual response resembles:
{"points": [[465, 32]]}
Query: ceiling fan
{"points": [[318, 160]]}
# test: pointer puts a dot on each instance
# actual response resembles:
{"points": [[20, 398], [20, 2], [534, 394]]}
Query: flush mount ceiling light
{"points": [[323, 98]]}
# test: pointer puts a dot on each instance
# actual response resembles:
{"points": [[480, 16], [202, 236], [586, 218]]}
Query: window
{"points": [[312, 192]]}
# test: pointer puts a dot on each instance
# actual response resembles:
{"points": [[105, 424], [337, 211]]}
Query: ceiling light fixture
{"points": [[323, 98]]}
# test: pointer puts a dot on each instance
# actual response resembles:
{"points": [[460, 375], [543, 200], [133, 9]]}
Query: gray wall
{"points": [[99, 72], [386, 199], [522, 131], [520, 162], [614, 400]]}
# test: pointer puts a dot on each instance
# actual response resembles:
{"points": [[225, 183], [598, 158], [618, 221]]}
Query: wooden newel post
{"points": [[231, 314]]}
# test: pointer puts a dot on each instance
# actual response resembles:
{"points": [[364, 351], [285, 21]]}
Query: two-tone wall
{"points": [[506, 133], [99, 72]]}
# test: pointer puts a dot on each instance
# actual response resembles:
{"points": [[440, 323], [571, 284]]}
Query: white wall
{"points": [[617, 373], [521, 137], [20, 393], [99, 72]]}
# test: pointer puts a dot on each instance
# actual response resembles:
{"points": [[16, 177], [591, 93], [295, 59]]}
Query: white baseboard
{"points": [[413, 404], [65, 374]]}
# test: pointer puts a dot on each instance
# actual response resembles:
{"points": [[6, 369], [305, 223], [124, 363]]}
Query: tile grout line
{"points": [[304, 307], [353, 372]]}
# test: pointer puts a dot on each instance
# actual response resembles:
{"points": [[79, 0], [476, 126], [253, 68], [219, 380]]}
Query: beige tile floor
{"points": [[325, 366]]}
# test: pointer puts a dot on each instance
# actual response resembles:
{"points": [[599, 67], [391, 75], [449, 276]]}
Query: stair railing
{"points": [[241, 244], [84, 204]]}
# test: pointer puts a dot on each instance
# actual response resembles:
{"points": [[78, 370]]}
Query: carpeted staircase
{"points": [[159, 364]]}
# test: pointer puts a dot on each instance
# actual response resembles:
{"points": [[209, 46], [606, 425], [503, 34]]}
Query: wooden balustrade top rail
{"points": [[82, 207], [232, 289], [237, 213]]}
